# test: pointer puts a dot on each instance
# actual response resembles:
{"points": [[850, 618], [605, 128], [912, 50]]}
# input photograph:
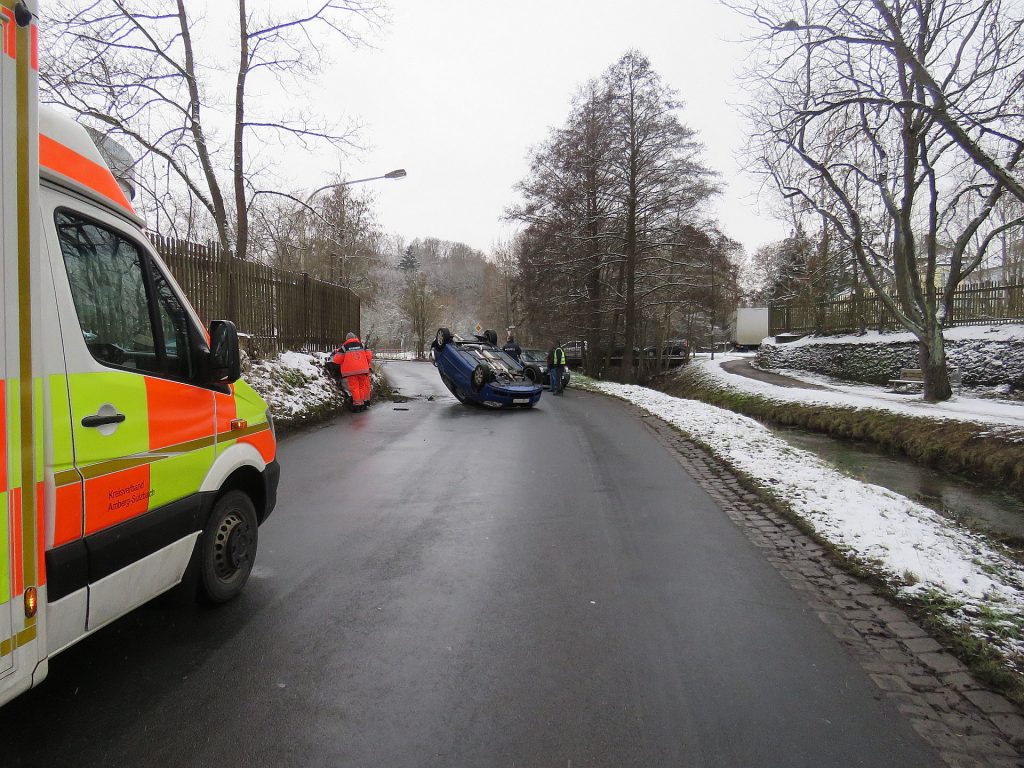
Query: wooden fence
{"points": [[277, 309], [971, 306]]}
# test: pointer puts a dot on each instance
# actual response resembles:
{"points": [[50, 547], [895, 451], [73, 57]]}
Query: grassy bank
{"points": [[974, 451]]}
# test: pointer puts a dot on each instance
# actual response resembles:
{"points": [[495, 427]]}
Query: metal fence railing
{"points": [[971, 306], [277, 309]]}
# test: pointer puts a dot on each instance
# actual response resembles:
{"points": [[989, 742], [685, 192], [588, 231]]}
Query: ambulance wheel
{"points": [[228, 547]]}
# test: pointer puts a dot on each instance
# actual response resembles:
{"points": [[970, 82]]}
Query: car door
{"points": [[143, 435]]}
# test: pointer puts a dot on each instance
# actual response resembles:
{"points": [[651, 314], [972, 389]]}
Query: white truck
{"points": [[750, 326]]}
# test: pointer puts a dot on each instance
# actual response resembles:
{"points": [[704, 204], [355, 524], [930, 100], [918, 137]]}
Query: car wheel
{"points": [[531, 375], [481, 375], [228, 547], [492, 337], [443, 336]]}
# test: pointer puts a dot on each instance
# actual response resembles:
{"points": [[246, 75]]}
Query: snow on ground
{"points": [[1004, 332], [1004, 414], [900, 539], [295, 386]]}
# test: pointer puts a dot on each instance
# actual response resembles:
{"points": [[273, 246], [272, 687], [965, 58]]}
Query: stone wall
{"points": [[981, 362]]}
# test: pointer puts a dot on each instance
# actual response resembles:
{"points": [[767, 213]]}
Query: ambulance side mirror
{"points": [[225, 362]]}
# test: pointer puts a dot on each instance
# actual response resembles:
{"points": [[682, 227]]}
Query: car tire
{"points": [[228, 548], [531, 375], [492, 337], [481, 375], [444, 336]]}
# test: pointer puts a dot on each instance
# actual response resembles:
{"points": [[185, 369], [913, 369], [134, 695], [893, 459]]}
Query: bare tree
{"points": [[896, 122], [131, 68], [607, 201], [421, 306]]}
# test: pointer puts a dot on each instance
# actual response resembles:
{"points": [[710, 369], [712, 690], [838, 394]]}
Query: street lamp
{"points": [[398, 173]]}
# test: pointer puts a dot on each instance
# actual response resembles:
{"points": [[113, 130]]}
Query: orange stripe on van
{"points": [[10, 33], [40, 537], [67, 162], [178, 413], [227, 411], [68, 524], [114, 498], [263, 442]]}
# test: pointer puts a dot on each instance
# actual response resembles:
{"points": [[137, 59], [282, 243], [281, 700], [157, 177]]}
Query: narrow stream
{"points": [[973, 504]]}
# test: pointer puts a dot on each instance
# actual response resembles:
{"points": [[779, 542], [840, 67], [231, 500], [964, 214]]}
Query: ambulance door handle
{"points": [[102, 419]]}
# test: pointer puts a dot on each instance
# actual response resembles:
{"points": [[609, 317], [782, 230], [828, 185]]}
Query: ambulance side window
{"points": [[107, 273], [174, 323]]}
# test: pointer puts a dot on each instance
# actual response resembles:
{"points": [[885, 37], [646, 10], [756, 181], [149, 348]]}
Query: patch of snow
{"points": [[295, 385], [1007, 332], [1001, 414]]}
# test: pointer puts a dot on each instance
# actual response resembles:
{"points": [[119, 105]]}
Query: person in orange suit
{"points": [[353, 361]]}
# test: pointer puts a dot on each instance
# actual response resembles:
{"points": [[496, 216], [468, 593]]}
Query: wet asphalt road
{"points": [[446, 586]]}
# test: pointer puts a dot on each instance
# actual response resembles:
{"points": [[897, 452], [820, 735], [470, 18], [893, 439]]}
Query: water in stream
{"points": [[975, 505]]}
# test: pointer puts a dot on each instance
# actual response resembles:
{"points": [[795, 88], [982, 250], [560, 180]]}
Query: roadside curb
{"points": [[969, 724]]}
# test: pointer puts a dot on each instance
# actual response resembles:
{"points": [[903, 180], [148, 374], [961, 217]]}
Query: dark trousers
{"points": [[555, 374]]}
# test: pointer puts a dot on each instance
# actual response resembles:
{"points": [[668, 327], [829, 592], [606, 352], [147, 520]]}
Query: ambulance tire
{"points": [[228, 548]]}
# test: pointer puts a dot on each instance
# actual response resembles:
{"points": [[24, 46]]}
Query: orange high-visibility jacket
{"points": [[353, 359]]}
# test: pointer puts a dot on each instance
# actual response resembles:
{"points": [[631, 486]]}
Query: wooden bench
{"points": [[914, 377]]}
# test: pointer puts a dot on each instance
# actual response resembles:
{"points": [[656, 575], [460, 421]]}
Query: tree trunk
{"points": [[931, 355], [220, 217], [241, 205], [630, 275]]}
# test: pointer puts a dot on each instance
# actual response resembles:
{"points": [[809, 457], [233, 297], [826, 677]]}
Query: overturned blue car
{"points": [[475, 370]]}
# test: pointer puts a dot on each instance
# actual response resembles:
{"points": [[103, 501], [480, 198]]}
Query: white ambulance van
{"points": [[132, 455]]}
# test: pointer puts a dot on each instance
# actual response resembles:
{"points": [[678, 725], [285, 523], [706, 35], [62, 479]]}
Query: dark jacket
{"points": [[512, 349]]}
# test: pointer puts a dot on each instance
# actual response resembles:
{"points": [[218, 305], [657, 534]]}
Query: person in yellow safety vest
{"points": [[556, 368]]}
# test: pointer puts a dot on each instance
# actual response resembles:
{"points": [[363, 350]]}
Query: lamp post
{"points": [[398, 173]]}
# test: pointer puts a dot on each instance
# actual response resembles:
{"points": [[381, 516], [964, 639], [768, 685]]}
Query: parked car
{"points": [[575, 352], [673, 352], [476, 370], [619, 351], [535, 367]]}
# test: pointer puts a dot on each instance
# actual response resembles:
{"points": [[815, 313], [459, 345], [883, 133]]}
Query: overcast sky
{"points": [[457, 91]]}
